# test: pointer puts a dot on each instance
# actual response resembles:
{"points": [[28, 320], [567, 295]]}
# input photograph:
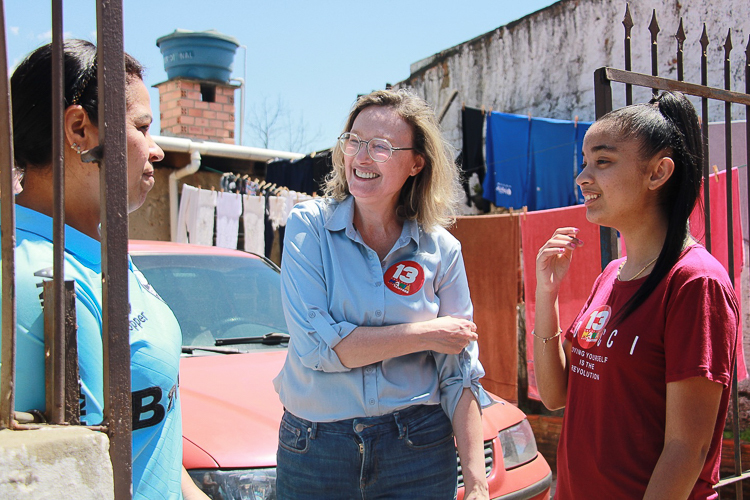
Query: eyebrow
{"points": [[603, 147]]}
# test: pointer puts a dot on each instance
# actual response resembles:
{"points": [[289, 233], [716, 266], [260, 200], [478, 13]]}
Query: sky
{"points": [[306, 59]]}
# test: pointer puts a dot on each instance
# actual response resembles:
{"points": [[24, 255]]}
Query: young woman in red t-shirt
{"points": [[645, 369]]}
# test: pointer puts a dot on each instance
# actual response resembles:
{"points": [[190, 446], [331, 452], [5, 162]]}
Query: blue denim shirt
{"points": [[332, 282]]}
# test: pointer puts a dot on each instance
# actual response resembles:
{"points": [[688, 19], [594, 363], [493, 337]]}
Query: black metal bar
{"points": [[628, 23], [641, 80], [680, 36], [653, 27], [113, 175], [8, 238], [56, 412], [704, 132], [603, 105]]}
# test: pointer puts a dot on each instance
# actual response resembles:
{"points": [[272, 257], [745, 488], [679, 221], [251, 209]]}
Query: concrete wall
{"points": [[543, 64], [55, 462]]}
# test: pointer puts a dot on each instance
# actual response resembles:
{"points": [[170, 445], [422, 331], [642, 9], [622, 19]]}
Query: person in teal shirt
{"points": [[155, 336]]}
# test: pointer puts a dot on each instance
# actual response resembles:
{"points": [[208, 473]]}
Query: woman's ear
{"points": [[79, 129], [418, 165], [662, 169]]}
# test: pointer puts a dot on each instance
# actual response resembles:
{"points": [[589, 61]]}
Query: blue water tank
{"points": [[203, 55]]}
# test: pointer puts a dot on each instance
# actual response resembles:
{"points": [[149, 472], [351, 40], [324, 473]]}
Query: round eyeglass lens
{"points": [[379, 150]]}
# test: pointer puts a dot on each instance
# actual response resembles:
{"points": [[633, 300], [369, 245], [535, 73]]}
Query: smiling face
{"points": [[379, 184], [615, 182], [142, 150]]}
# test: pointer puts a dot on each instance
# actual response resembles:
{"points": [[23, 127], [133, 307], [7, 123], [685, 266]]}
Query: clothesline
{"points": [[263, 210]]}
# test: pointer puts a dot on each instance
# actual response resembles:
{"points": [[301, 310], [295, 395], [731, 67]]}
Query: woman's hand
{"points": [[553, 259], [449, 335]]}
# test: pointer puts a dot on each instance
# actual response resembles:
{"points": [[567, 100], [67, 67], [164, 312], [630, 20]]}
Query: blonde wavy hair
{"points": [[432, 196]]}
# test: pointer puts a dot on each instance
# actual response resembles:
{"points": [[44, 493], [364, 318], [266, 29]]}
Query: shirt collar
{"points": [[343, 218], [77, 243]]}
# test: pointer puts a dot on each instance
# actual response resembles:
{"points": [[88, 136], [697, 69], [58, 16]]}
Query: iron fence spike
{"points": [[627, 20], [680, 35], [728, 44], [653, 27], [704, 39]]}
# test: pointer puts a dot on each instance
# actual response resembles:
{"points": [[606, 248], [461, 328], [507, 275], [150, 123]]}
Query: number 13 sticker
{"points": [[404, 278]]}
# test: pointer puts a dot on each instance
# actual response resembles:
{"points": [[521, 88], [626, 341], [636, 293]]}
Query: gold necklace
{"points": [[636, 274]]}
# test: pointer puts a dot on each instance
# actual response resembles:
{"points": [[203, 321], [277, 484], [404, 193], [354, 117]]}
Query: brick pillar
{"points": [[197, 109]]}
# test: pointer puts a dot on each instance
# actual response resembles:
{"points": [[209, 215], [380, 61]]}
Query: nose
{"points": [[363, 155], [583, 178], [155, 153]]}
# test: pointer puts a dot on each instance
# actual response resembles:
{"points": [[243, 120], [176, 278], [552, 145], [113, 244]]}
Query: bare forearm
{"points": [[676, 471], [370, 344], [550, 364], [467, 426]]}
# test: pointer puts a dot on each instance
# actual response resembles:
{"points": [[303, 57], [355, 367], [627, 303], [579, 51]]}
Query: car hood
{"points": [[230, 409]]}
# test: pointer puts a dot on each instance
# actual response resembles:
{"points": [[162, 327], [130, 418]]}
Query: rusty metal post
{"points": [[653, 27], [72, 387], [603, 103], [54, 313], [730, 251], [704, 132], [114, 216], [8, 238], [628, 23]]}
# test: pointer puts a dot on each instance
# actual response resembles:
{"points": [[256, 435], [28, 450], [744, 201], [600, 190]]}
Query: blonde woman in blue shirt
{"points": [[383, 366]]}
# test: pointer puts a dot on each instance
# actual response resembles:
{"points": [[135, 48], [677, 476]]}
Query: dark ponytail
{"points": [[668, 124], [31, 91]]}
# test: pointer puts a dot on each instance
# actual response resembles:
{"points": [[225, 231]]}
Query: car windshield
{"points": [[217, 299]]}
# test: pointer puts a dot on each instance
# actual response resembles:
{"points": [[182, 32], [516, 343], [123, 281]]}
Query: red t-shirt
{"points": [[615, 415]]}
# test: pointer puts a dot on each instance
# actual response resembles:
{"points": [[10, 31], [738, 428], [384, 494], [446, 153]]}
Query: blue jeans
{"points": [[407, 454]]}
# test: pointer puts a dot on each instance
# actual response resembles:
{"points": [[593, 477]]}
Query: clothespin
{"points": [[312, 155], [575, 121], [212, 189], [490, 110], [716, 173], [463, 106], [525, 209], [511, 211], [482, 108], [529, 115]]}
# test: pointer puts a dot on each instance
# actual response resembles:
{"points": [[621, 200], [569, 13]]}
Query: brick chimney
{"points": [[197, 109]]}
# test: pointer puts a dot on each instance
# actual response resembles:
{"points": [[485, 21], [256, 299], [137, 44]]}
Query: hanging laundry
{"points": [[252, 217], [277, 211], [507, 179], [201, 221], [552, 164], [188, 202], [228, 211], [472, 158]]}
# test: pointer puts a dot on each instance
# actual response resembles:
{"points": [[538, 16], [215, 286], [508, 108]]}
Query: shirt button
{"points": [[368, 369], [359, 427], [372, 401], [378, 313], [311, 314]]}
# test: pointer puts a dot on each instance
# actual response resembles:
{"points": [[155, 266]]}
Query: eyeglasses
{"points": [[380, 150]]}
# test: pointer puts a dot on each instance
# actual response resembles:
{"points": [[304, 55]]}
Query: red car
{"points": [[228, 304]]}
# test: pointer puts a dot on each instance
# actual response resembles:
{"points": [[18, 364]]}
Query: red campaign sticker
{"points": [[404, 278], [592, 332]]}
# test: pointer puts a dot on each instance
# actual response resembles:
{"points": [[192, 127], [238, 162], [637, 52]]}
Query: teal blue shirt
{"points": [[332, 282], [155, 342]]}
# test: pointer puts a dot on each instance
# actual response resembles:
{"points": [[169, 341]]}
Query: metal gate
{"points": [[603, 78], [114, 240]]}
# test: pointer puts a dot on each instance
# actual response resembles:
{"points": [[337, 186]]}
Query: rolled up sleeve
{"points": [[313, 331], [457, 372]]}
